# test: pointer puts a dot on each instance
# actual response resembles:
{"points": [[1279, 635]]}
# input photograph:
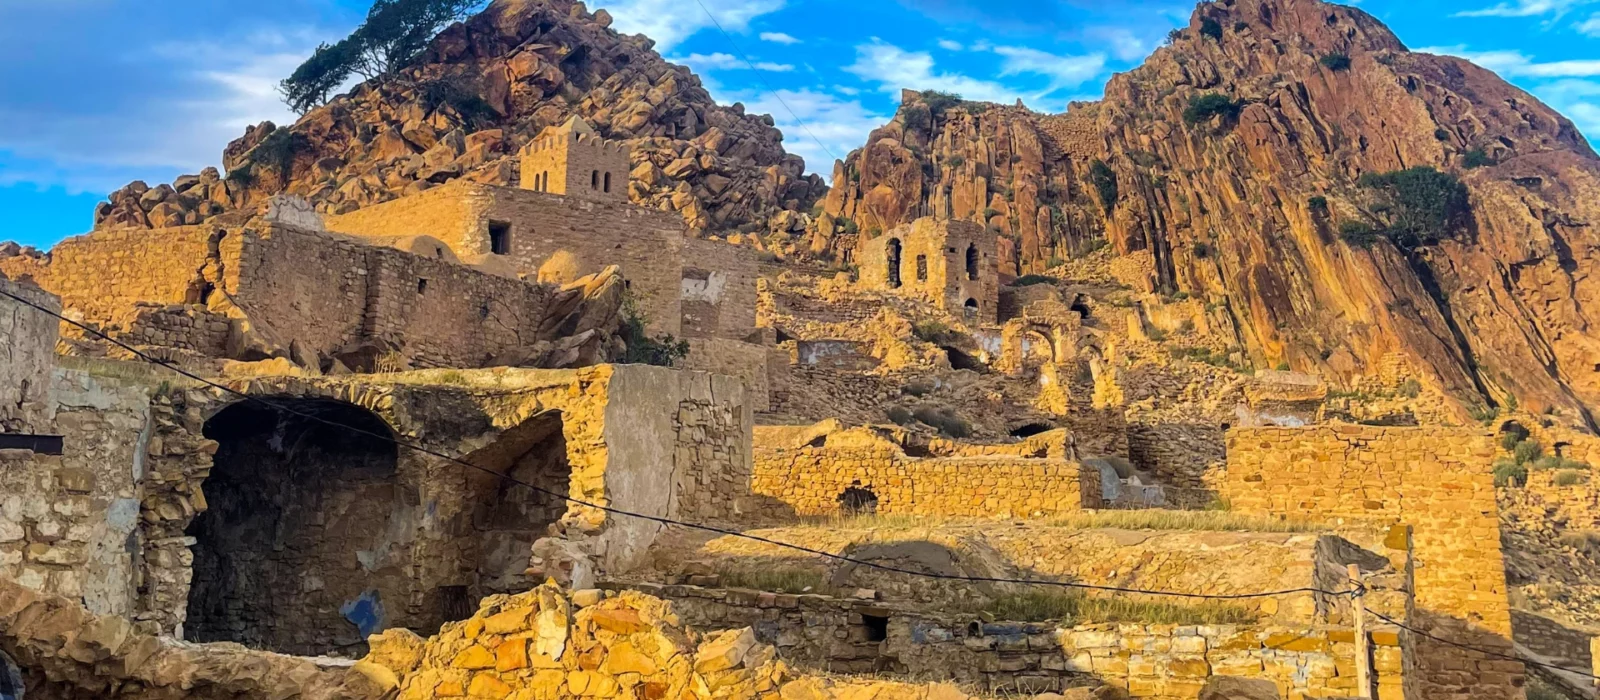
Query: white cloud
{"points": [[1589, 27], [839, 124], [950, 45], [1525, 8], [1063, 71], [669, 22], [724, 61], [228, 86], [1124, 44], [1515, 64], [778, 38], [1578, 100], [893, 68]]}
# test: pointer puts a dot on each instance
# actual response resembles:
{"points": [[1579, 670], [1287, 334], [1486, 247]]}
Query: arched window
{"points": [[608, 182], [922, 268], [972, 262], [594, 179]]}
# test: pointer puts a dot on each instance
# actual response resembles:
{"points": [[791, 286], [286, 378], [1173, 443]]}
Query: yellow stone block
{"points": [[474, 657]]}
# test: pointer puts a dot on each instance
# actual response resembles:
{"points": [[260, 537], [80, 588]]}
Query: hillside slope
{"points": [[485, 87], [1245, 209]]}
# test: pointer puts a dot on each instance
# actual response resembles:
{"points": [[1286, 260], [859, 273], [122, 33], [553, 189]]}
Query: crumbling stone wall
{"points": [[187, 328], [1176, 454], [646, 244], [1160, 661], [712, 460], [27, 356], [734, 358], [1436, 480], [719, 289], [813, 480], [1566, 646], [928, 260], [572, 160]]}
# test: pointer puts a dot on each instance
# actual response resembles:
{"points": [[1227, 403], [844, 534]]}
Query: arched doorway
{"points": [[304, 539], [509, 513], [892, 262]]}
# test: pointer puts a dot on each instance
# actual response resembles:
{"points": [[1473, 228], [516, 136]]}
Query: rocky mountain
{"points": [[1229, 167], [485, 87]]}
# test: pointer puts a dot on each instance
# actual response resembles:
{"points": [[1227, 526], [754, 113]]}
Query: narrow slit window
{"points": [[500, 238]]}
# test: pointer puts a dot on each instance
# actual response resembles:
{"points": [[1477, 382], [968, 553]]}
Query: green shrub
{"points": [[1240, 26], [1212, 28], [955, 161], [1359, 233], [1318, 204], [1055, 262], [1105, 183], [1174, 36], [1513, 434], [640, 348], [1422, 206], [899, 415], [945, 420], [1336, 62], [393, 36], [1031, 279], [1202, 250], [1482, 413], [1527, 451], [990, 213], [939, 101], [1204, 107], [1441, 134], [1476, 158], [1507, 472], [1409, 388], [1569, 477]]}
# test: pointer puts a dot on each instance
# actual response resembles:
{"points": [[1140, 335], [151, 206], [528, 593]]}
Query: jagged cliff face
{"points": [[484, 88], [1224, 206]]}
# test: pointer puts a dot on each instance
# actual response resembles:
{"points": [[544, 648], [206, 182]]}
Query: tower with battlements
{"points": [[573, 160]]}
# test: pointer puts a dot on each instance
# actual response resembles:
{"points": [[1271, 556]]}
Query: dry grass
{"points": [[126, 370], [1199, 520], [776, 579], [1072, 607]]}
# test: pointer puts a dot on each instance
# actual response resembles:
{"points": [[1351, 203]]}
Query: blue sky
{"points": [[101, 92]]}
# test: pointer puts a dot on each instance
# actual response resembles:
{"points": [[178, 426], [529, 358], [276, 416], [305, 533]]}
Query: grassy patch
{"points": [[777, 579], [1071, 607], [1208, 520]]}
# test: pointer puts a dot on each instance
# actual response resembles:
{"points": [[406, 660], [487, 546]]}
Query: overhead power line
{"points": [[643, 516]]}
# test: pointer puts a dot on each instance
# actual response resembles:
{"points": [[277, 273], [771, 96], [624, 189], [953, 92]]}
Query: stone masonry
{"points": [[949, 264]]}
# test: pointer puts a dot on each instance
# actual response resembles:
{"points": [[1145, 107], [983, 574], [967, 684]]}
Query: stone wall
{"points": [[571, 159], [327, 292], [646, 244], [747, 361], [719, 289], [27, 356], [1435, 480], [1176, 454], [1560, 644], [812, 481], [1005, 658]]}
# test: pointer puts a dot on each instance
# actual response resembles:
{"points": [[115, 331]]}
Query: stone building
{"points": [[573, 160], [296, 523], [947, 263], [275, 286]]}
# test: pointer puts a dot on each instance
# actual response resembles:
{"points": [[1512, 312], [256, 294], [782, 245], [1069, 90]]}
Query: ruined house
{"points": [[293, 521], [947, 263]]}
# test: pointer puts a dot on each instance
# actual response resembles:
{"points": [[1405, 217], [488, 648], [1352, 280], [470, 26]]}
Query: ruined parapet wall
{"points": [[1568, 646], [186, 328], [719, 289], [646, 244], [813, 481], [452, 212], [1436, 480], [100, 276], [1005, 658], [65, 651], [27, 357]]}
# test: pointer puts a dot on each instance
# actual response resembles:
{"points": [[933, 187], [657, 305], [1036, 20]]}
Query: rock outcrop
{"points": [[484, 88], [1243, 205]]}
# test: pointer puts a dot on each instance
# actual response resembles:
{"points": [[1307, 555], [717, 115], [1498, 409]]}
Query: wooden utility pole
{"points": [[1358, 609]]}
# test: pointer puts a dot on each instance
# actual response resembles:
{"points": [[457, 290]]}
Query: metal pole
{"points": [[1363, 647]]}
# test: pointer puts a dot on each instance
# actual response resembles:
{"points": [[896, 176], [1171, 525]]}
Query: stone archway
{"points": [[303, 542], [508, 515]]}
